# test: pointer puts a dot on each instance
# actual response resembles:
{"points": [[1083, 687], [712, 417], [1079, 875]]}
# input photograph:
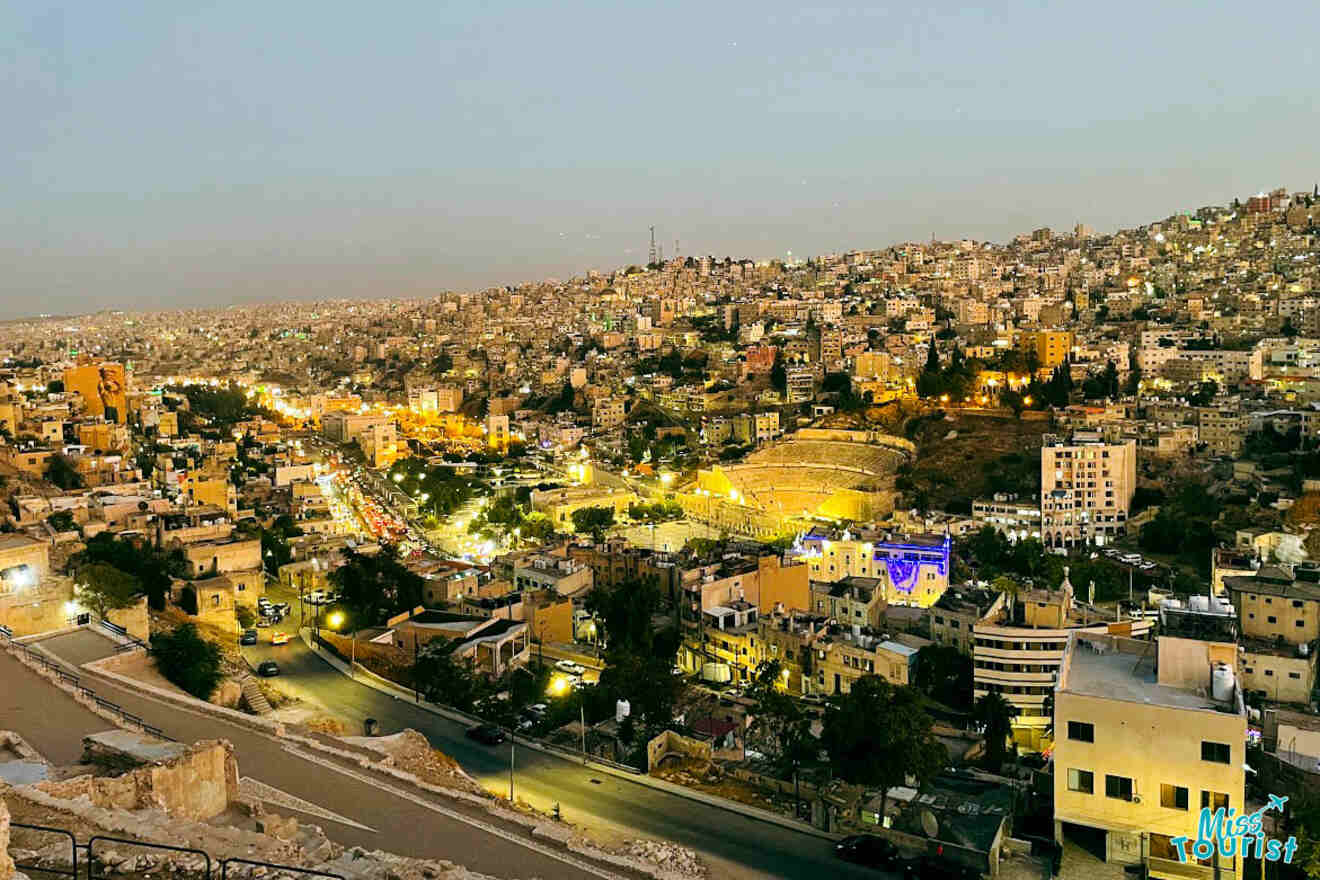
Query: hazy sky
{"points": [[157, 155]]}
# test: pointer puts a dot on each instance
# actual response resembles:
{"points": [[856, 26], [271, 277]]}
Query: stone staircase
{"points": [[256, 701]]}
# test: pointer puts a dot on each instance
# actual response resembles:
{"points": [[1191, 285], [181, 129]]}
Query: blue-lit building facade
{"points": [[914, 568]]}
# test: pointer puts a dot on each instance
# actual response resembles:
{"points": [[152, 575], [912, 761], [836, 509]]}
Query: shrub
{"points": [[188, 660]]}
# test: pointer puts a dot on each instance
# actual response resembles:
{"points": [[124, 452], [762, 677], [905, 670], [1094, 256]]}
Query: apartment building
{"points": [[952, 618], [1013, 517], [607, 414], [1086, 488], [563, 577], [1279, 615], [1144, 740], [851, 600], [1052, 347], [1020, 643], [1223, 431]]}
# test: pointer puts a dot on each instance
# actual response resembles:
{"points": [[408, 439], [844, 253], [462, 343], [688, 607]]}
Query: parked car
{"points": [[569, 667], [279, 638], [268, 669], [249, 637], [486, 734], [867, 849]]}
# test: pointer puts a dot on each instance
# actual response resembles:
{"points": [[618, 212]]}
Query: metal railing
{"points": [[130, 643], [72, 870], [35, 657]]}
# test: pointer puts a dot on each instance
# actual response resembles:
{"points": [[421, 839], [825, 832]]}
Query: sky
{"points": [[176, 154]]}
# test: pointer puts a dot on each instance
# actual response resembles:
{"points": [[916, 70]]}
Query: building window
{"points": [[1294, 675], [1272, 619], [1081, 781], [1220, 753], [1119, 787], [1213, 800], [1081, 731], [1173, 796]]}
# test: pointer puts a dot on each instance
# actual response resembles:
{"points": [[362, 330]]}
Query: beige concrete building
{"points": [[1019, 645], [1223, 431], [563, 577], [31, 599], [952, 619], [851, 601], [1139, 752], [608, 413], [1086, 489], [1279, 616]]}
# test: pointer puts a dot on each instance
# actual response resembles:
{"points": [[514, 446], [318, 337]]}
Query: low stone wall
{"points": [[6, 863], [670, 743], [198, 785], [806, 789]]}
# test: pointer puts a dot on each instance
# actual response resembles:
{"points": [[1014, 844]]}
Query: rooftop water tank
{"points": [[1221, 683]]}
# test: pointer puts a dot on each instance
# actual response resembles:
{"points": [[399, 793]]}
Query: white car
{"points": [[570, 668]]}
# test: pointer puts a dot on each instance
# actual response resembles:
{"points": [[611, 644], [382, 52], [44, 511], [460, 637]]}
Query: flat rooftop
{"points": [[1096, 670]]}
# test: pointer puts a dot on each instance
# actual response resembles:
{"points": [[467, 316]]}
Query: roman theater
{"points": [[814, 475]]}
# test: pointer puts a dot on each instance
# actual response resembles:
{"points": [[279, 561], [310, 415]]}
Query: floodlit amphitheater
{"points": [[812, 475]]}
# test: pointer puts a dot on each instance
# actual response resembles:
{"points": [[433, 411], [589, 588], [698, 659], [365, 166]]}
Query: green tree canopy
{"points": [[878, 735], [995, 715], [188, 660], [593, 521], [101, 588], [373, 587]]}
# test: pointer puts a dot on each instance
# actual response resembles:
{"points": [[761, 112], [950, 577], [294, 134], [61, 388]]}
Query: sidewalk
{"points": [[371, 680]]}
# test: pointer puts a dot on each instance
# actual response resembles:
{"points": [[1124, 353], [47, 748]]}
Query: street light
{"points": [[560, 686], [336, 619]]}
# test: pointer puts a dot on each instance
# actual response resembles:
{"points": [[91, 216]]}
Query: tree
{"points": [[778, 375], [155, 569], [188, 660], [445, 678], [61, 472], [1205, 393], [373, 587], [995, 715], [878, 735], [945, 674], [782, 730], [647, 682], [101, 588], [625, 611], [593, 521], [61, 521]]}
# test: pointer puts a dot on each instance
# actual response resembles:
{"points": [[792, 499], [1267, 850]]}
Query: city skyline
{"points": [[194, 159]]}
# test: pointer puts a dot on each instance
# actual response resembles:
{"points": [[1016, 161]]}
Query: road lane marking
{"points": [[455, 815], [255, 789]]}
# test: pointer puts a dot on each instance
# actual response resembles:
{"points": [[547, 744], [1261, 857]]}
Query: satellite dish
{"points": [[929, 823]]}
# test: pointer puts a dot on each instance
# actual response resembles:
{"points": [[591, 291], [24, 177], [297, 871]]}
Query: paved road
{"points": [[584, 795], [54, 723]]}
